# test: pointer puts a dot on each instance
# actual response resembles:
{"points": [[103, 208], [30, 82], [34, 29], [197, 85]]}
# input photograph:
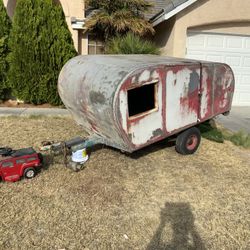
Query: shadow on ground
{"points": [[184, 235], [165, 143]]}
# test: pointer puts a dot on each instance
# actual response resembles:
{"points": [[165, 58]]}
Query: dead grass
{"points": [[152, 199]]}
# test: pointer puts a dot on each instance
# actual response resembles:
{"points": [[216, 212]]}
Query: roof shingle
{"points": [[162, 6]]}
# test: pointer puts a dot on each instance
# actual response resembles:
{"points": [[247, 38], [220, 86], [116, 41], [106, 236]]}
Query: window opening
{"points": [[142, 99]]}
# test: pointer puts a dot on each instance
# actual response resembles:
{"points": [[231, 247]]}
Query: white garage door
{"points": [[231, 49]]}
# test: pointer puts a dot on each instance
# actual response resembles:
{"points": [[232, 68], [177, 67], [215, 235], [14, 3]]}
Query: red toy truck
{"points": [[17, 163]]}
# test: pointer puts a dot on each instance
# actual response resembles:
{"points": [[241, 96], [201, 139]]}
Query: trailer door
{"points": [[144, 108], [182, 96]]}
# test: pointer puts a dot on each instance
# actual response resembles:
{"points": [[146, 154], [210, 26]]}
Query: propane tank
{"points": [[80, 156]]}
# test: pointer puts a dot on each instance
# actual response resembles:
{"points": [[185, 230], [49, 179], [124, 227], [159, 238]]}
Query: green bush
{"points": [[5, 26], [240, 138], [211, 132], [131, 44], [40, 45]]}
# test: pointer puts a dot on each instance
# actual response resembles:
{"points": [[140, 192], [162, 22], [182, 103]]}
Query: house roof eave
{"points": [[165, 15]]}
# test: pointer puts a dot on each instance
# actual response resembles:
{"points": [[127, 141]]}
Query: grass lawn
{"points": [[152, 199]]}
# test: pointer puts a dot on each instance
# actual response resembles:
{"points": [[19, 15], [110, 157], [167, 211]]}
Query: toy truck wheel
{"points": [[29, 173], [188, 141]]}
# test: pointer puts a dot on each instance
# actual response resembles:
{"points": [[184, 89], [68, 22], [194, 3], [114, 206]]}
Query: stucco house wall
{"points": [[72, 10], [224, 16]]}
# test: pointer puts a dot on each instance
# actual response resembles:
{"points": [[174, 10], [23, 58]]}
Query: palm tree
{"points": [[110, 18], [131, 44]]}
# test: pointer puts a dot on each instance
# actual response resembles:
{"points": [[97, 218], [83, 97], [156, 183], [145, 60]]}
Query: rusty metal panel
{"points": [[223, 88], [206, 92], [182, 97], [217, 88]]}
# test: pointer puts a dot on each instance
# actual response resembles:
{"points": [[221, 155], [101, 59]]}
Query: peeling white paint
{"points": [[178, 116], [133, 80], [144, 76], [142, 131], [155, 75], [123, 109], [226, 83], [204, 95]]}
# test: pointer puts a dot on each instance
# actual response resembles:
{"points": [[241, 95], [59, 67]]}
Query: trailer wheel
{"points": [[188, 141]]}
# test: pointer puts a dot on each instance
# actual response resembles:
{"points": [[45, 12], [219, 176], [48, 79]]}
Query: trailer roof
{"points": [[138, 60]]}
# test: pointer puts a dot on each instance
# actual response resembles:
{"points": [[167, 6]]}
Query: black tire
{"points": [[29, 173], [188, 141]]}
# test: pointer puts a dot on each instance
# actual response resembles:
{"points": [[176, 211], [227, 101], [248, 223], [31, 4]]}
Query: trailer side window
{"points": [[142, 99]]}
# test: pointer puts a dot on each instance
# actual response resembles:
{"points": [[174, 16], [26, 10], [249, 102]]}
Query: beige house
{"points": [[215, 30], [75, 16]]}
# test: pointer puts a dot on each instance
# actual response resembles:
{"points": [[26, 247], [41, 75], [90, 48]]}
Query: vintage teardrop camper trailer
{"points": [[131, 101]]}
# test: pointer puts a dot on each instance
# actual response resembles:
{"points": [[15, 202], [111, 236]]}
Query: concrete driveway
{"points": [[237, 120]]}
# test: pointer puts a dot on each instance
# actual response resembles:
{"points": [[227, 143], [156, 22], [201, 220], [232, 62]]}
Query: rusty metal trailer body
{"points": [[129, 102]]}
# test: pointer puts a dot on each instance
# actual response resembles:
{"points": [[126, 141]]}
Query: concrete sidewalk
{"points": [[239, 118], [33, 111]]}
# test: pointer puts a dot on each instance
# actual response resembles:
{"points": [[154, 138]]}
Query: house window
{"points": [[142, 99], [95, 45]]}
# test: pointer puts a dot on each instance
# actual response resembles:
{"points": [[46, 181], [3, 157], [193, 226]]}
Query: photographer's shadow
{"points": [[179, 217]]}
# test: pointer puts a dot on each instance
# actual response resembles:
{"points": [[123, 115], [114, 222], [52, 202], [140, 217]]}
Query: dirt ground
{"points": [[152, 199]]}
